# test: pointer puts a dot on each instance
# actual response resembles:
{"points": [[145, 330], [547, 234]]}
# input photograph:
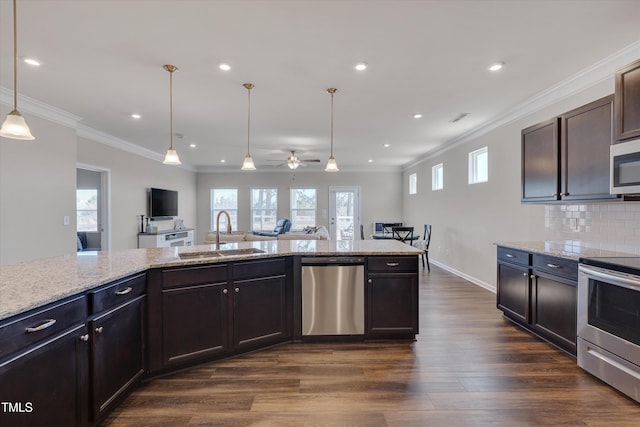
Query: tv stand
{"points": [[166, 239]]}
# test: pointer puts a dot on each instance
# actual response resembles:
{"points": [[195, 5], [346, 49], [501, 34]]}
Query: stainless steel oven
{"points": [[609, 321], [625, 167]]}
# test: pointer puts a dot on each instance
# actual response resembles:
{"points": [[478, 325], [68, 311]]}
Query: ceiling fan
{"points": [[294, 161]]}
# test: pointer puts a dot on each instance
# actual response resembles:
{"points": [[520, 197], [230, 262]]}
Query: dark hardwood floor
{"points": [[468, 367]]}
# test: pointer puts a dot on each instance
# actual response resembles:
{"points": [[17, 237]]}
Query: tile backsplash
{"points": [[608, 226]]}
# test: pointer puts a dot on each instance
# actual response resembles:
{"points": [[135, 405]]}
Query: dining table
{"points": [[381, 236]]}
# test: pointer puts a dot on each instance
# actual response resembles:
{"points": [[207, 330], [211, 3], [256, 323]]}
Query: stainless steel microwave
{"points": [[625, 167]]}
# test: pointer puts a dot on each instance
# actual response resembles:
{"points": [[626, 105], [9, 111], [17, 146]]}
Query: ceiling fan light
{"points": [[332, 166], [247, 164], [15, 127], [171, 158]]}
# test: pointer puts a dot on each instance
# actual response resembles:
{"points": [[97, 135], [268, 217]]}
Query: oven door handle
{"points": [[611, 277]]}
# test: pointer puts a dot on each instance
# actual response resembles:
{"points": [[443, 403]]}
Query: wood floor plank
{"points": [[468, 367]]}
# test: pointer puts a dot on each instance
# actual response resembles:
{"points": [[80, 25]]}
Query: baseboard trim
{"points": [[465, 276]]}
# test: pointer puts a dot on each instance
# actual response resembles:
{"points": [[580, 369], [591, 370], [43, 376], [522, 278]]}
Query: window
{"points": [[413, 183], [437, 175], [224, 199], [87, 210], [479, 166], [303, 208], [264, 209]]}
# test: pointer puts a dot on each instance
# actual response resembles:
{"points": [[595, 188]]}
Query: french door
{"points": [[344, 213]]}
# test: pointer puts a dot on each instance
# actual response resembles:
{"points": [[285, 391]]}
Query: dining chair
{"points": [[403, 234], [387, 227], [424, 245]]}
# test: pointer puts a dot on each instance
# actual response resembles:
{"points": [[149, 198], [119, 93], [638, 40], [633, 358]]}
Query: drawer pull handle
{"points": [[553, 265], [510, 255], [124, 291], [393, 264], [47, 324]]}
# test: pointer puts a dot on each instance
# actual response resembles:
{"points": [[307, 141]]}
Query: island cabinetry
{"points": [[194, 318], [44, 366], [391, 297], [117, 331], [627, 102], [262, 303], [538, 292]]}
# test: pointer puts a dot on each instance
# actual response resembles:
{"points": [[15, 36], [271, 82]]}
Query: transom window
{"points": [[303, 208], [437, 177], [479, 166], [224, 199], [264, 208]]}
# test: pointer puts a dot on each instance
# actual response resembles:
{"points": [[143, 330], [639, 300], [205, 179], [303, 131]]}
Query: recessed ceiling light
{"points": [[417, 116], [361, 66], [224, 67], [192, 145], [496, 66], [370, 161], [32, 61], [135, 116], [386, 145], [223, 161]]}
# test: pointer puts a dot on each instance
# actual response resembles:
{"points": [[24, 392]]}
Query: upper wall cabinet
{"points": [[567, 158], [627, 103]]}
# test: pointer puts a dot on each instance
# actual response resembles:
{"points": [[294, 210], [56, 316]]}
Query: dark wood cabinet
{"points": [[117, 331], [44, 381], [391, 297], [540, 162], [586, 141], [538, 292], [627, 102]]}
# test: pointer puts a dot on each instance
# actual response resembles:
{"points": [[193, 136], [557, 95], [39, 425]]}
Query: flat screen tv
{"points": [[162, 203]]}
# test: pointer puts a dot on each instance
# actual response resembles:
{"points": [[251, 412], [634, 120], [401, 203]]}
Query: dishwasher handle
{"points": [[330, 260]]}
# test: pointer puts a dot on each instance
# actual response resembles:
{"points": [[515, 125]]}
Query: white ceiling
{"points": [[102, 60]]}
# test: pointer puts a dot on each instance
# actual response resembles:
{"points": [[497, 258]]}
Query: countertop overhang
{"points": [[31, 284], [569, 249]]}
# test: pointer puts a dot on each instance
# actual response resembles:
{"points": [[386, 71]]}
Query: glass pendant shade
{"points": [[247, 164], [332, 166], [15, 127], [171, 158]]}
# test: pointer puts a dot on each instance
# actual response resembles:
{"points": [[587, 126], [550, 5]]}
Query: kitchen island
{"points": [[92, 325]]}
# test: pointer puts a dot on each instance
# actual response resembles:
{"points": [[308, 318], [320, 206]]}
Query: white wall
{"points": [[131, 176], [468, 219], [37, 190], [380, 193]]}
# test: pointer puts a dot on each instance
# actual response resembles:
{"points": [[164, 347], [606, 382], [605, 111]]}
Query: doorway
{"points": [[344, 213], [92, 208]]}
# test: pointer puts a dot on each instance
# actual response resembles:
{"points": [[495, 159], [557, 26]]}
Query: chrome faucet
{"points": [[218, 227]]}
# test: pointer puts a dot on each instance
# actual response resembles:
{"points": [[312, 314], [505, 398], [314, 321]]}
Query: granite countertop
{"points": [[31, 284], [569, 249]]}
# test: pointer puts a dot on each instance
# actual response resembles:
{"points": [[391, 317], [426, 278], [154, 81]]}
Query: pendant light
{"points": [[247, 164], [14, 126], [332, 166], [172, 155]]}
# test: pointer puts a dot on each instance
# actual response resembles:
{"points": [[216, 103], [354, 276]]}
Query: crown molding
{"points": [[39, 109], [271, 169], [600, 71]]}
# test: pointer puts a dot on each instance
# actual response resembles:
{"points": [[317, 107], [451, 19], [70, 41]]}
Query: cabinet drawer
{"points": [[33, 327], [258, 269], [194, 276], [117, 293], [556, 266], [392, 264], [513, 256]]}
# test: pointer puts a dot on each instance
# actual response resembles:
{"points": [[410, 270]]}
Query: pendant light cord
{"points": [[248, 86], [332, 90], [171, 109], [15, 58]]}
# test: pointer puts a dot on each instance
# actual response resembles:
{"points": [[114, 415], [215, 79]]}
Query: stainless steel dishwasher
{"points": [[332, 295]]}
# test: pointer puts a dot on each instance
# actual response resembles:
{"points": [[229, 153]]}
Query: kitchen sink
{"points": [[220, 253]]}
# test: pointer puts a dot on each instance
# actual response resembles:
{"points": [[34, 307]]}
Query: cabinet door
{"points": [[118, 356], [46, 385], [586, 141], [194, 322], [554, 310], [513, 291], [391, 305], [540, 167], [627, 105], [259, 312]]}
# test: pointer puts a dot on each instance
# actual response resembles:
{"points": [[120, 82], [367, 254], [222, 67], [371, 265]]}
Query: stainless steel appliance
{"points": [[332, 296], [609, 321], [625, 167]]}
